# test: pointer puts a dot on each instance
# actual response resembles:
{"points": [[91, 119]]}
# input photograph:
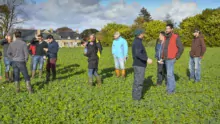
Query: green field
{"points": [[70, 99]]}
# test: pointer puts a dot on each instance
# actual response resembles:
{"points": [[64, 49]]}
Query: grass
{"points": [[69, 99]]}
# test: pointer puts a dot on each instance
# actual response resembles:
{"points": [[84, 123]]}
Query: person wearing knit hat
{"points": [[140, 60], [198, 49], [120, 54]]}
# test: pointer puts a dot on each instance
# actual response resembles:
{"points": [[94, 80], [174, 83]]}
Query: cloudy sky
{"points": [[82, 14]]}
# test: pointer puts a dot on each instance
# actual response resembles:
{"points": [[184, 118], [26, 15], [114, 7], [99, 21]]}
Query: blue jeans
{"points": [[38, 59], [7, 64], [195, 68], [20, 67], [171, 83], [119, 63], [92, 72]]}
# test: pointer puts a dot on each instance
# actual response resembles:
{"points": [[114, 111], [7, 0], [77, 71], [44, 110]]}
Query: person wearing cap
{"points": [[52, 50], [5, 43], [18, 53], [140, 60], [120, 54], [161, 67], [198, 49], [172, 51]]}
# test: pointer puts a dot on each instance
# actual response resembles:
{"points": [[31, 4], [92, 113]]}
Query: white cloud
{"points": [[177, 10], [79, 14]]}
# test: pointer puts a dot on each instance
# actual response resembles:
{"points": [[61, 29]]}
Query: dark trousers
{"points": [[20, 67], [139, 73], [161, 73], [51, 65]]}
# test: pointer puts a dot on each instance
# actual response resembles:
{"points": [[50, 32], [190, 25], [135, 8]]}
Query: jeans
{"points": [[195, 68], [7, 64], [51, 65], [38, 59], [171, 83], [92, 72], [119, 63], [161, 73], [20, 67], [139, 73]]}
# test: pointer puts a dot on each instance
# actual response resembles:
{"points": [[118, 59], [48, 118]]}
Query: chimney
{"points": [[38, 32]]}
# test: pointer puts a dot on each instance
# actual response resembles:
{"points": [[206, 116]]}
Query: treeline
{"points": [[208, 22]]}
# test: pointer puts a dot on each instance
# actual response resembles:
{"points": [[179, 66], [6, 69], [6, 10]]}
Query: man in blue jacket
{"points": [[52, 51], [140, 60], [120, 54]]}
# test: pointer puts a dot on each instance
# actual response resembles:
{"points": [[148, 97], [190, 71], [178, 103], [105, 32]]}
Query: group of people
{"points": [[168, 49], [16, 54]]}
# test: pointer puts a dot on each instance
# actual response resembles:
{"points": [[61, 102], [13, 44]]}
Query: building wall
{"points": [[68, 43]]}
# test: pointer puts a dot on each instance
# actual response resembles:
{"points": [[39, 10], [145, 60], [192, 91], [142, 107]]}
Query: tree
{"points": [[207, 22], [64, 29], [168, 19], [10, 10], [86, 32], [145, 14], [108, 31], [153, 29]]}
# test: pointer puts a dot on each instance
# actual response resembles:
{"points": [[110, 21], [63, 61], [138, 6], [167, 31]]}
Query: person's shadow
{"points": [[148, 83], [68, 68]]}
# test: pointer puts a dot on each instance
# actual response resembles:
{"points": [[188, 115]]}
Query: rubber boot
{"points": [[33, 74], [11, 76], [6, 76], [117, 72], [90, 82], [99, 81], [48, 77], [28, 85], [123, 73], [40, 73], [17, 86]]}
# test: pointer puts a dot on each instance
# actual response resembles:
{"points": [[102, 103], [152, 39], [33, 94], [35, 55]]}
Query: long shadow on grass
{"points": [[109, 72], [148, 83], [68, 68], [71, 75]]}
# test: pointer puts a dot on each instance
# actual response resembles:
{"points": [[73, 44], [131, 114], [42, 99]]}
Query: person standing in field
{"points": [[172, 50], [5, 43], [120, 54], [32, 51], [198, 49], [39, 56], [52, 51], [92, 48], [18, 53], [140, 60], [161, 67]]}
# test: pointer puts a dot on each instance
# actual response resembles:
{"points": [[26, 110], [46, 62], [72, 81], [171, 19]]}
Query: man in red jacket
{"points": [[172, 50], [198, 49]]}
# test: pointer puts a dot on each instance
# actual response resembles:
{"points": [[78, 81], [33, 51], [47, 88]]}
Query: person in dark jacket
{"points": [[92, 37], [39, 56], [172, 50], [32, 51], [161, 67], [5, 43], [140, 60], [52, 51], [91, 51], [198, 49], [18, 53]]}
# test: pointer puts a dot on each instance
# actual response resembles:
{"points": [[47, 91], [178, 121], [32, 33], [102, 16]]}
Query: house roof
{"points": [[66, 35], [27, 34]]}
